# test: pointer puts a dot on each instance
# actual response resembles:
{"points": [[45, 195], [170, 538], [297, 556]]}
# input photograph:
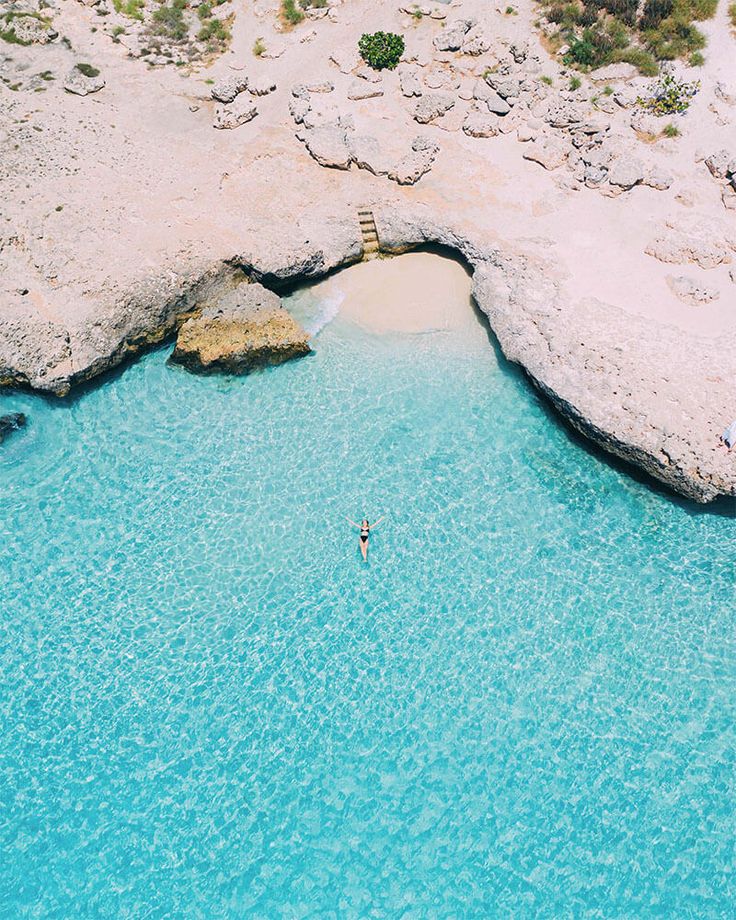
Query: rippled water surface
{"points": [[523, 706]]}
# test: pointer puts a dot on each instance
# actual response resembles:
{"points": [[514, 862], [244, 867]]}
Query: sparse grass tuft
{"points": [[696, 59], [133, 9], [259, 48], [671, 130], [575, 83], [546, 79], [87, 70]]}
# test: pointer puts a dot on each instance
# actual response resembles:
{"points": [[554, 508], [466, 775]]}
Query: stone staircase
{"points": [[369, 233]]}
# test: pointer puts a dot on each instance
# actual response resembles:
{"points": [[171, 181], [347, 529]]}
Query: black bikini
{"points": [[364, 531]]}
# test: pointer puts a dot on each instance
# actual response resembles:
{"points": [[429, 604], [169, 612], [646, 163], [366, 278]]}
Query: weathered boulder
{"points": [[415, 164], [626, 173], [432, 105], [410, 84], [496, 104], [702, 243], [30, 30], [328, 145], [245, 329], [721, 164], [237, 113], [227, 89], [506, 87], [320, 86], [367, 153], [689, 291], [83, 79], [658, 178], [361, 89], [550, 152], [480, 124], [11, 422], [475, 45], [261, 85], [299, 109], [452, 37]]}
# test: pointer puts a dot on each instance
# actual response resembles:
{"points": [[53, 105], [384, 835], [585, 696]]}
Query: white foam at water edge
{"points": [[329, 307]]}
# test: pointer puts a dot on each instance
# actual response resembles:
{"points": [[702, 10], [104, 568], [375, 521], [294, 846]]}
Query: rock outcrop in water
{"points": [[240, 331], [11, 422]]}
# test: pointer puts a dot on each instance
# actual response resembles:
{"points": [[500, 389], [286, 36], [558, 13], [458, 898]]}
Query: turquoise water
{"points": [[523, 706]]}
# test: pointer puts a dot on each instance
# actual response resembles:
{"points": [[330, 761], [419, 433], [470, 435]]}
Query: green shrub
{"points": [[654, 12], [669, 95], [291, 13], [169, 21], [696, 59], [732, 14], [671, 130], [381, 50], [214, 33]]}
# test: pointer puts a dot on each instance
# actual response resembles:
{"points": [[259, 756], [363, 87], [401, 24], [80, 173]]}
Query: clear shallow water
{"points": [[523, 706]]}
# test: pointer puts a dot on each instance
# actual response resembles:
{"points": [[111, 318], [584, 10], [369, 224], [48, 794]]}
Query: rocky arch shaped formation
{"points": [[608, 373]]}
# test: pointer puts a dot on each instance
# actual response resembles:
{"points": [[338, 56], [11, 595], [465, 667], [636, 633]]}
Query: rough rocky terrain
{"points": [[604, 250], [238, 331]]}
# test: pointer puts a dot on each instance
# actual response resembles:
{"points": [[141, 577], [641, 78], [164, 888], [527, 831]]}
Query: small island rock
{"points": [[245, 329]]}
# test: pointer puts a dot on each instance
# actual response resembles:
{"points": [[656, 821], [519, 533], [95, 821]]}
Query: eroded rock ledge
{"points": [[626, 383], [243, 329]]}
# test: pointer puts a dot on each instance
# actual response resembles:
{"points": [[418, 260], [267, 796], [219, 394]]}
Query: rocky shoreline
{"points": [[613, 381], [600, 235]]}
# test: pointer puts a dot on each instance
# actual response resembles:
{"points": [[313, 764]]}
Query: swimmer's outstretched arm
{"points": [[353, 523], [376, 523]]}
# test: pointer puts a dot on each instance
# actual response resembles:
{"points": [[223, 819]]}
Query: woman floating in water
{"points": [[365, 529]]}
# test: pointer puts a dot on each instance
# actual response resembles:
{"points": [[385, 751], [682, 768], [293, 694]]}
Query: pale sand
{"points": [[414, 293]]}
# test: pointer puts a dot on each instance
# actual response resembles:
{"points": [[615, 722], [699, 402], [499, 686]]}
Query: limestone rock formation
{"points": [[237, 113], [550, 152], [452, 37], [361, 89], [432, 105], [480, 124], [245, 329], [410, 84], [227, 89], [83, 80], [415, 164], [689, 291], [328, 145]]}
